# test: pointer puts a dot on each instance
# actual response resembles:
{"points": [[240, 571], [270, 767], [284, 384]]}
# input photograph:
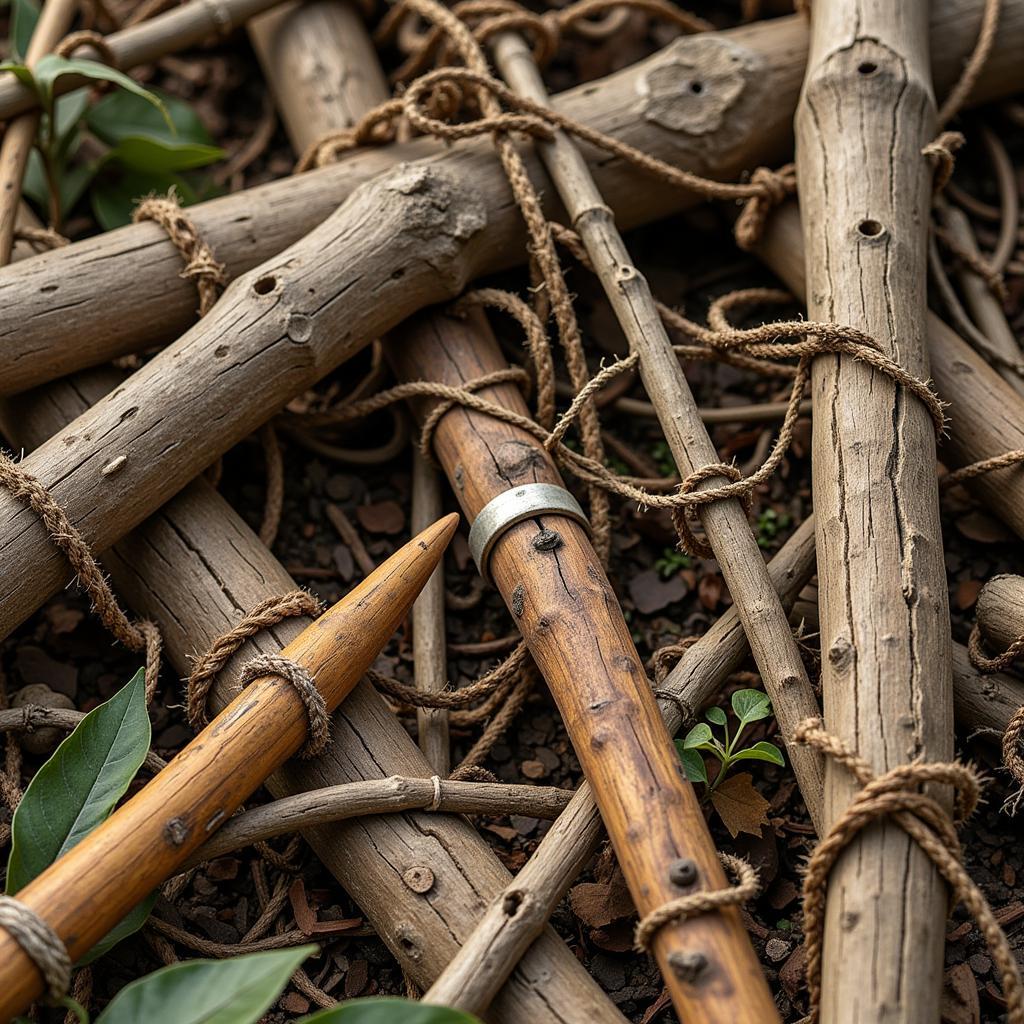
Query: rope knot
{"points": [[680, 513], [774, 187], [940, 151]]}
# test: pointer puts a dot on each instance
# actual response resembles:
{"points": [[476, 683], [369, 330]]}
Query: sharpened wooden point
{"points": [[88, 890]]}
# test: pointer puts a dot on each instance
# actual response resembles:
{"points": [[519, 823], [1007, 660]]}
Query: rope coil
{"points": [[41, 944], [304, 685]]}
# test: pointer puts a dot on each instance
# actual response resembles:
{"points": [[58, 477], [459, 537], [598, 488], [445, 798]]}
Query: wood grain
{"points": [[1000, 611], [125, 289], [84, 893], [195, 568], [567, 612]]}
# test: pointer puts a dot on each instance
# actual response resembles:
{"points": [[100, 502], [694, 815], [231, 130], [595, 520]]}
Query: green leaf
{"points": [[388, 1011], [763, 751], [693, 764], [24, 15], [697, 736], [69, 110], [20, 72], [80, 784], [128, 925], [751, 705], [716, 715], [123, 115], [51, 67], [235, 991], [154, 156], [114, 195]]}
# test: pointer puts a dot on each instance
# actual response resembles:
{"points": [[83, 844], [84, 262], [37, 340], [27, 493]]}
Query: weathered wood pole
{"points": [[865, 113], [195, 568], [986, 415], [725, 522], [86, 892], [551, 579], [125, 286], [1000, 611]]}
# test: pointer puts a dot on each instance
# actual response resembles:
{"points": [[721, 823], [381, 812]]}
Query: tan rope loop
{"points": [[940, 151], [975, 63], [262, 616], [981, 266], [71, 42], [40, 943], [304, 685], [40, 238], [690, 543], [744, 888], [141, 637], [201, 266], [897, 795], [1003, 460]]}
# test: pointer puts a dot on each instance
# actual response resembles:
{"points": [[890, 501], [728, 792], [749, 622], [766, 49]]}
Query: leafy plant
{"points": [[139, 140], [77, 789], [748, 706], [235, 991], [672, 561], [769, 525], [388, 1011]]}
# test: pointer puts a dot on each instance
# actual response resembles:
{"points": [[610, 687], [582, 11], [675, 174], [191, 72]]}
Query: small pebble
{"points": [[980, 964], [534, 769], [777, 950]]}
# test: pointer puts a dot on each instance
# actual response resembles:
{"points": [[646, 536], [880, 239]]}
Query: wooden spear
{"points": [[725, 522], [125, 286], [88, 890], [550, 577], [865, 114]]}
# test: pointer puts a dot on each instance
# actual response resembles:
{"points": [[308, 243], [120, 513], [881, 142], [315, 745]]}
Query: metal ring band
{"points": [[513, 506]]}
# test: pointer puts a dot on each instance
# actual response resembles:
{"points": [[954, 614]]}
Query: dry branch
{"points": [[1000, 611], [196, 568], [124, 286], [866, 112]]}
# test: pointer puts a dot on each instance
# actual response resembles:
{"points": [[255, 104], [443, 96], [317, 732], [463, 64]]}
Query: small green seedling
{"points": [[672, 561], [748, 706], [769, 525]]}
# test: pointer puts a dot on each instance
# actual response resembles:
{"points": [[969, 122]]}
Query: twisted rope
{"points": [[897, 795], [41, 944], [301, 680]]}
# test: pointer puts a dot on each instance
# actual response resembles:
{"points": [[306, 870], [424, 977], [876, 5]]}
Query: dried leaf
{"points": [[960, 997], [650, 593], [983, 528], [740, 806], [709, 590], [598, 904], [967, 593], [384, 517]]}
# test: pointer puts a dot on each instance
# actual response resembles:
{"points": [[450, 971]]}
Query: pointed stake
{"points": [[88, 890]]}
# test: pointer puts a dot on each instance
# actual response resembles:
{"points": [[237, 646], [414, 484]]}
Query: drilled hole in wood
{"points": [[265, 285], [696, 88], [870, 228], [511, 903], [867, 67]]}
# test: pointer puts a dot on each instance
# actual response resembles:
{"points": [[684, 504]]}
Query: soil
{"points": [[665, 598]]}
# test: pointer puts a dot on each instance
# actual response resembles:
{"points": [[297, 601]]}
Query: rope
{"points": [[897, 794], [139, 637], [1002, 461], [262, 616], [746, 886], [294, 673], [41, 944], [987, 33], [201, 266]]}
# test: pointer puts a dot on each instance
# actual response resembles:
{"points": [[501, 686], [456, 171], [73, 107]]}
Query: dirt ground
{"points": [[666, 597]]}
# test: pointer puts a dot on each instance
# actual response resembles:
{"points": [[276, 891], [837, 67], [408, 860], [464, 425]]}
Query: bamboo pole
{"points": [[20, 135], [865, 113], [195, 568], [724, 522], [87, 891], [125, 286], [568, 615]]}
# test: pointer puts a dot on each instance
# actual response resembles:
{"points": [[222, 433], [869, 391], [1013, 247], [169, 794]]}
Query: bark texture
{"points": [[196, 568], [865, 113], [124, 289], [1001, 611]]}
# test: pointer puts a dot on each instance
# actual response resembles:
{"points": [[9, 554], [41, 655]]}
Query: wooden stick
{"points": [[725, 522], [379, 796], [1000, 611], [430, 661], [174, 30], [195, 568], [571, 622], [86, 892], [865, 113], [125, 286], [20, 135], [986, 415]]}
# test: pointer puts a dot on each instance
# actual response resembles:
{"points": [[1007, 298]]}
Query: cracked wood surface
{"points": [[567, 612], [865, 113], [195, 567], [1000, 611], [124, 287]]}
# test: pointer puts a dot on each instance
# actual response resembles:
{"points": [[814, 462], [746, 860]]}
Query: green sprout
{"points": [[748, 706], [672, 561], [769, 525]]}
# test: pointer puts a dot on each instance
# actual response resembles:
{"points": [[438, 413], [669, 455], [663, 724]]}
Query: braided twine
{"points": [[897, 795], [40, 943]]}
